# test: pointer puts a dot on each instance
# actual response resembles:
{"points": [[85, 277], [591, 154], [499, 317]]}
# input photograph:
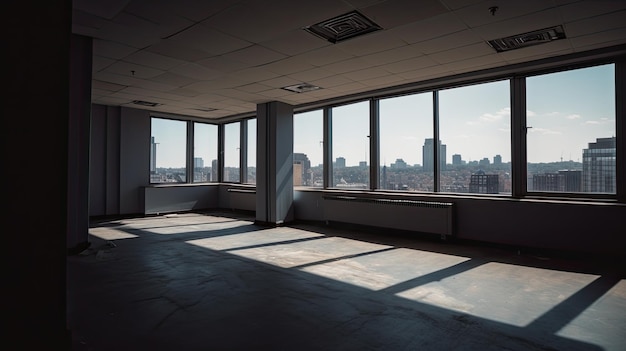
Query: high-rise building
{"points": [[214, 171], [399, 164], [152, 155], [456, 160], [301, 170], [482, 183], [198, 162], [497, 160], [428, 155], [340, 162], [567, 180], [599, 166]]}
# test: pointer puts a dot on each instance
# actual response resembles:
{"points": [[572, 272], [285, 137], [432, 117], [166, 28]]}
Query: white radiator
{"points": [[412, 215]]}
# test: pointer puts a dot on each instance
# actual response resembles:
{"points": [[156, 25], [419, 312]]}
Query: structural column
{"points": [[274, 187], [78, 144]]}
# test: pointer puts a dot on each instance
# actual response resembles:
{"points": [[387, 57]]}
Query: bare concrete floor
{"points": [[217, 281]]}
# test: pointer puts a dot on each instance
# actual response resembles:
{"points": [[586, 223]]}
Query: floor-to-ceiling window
{"points": [[350, 145], [168, 151], [405, 124], [474, 139], [204, 152], [308, 149], [232, 146], [571, 143]]}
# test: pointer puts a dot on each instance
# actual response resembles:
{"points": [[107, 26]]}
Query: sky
{"points": [[565, 112]]}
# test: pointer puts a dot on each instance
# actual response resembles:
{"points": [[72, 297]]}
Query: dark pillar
{"points": [[274, 193], [78, 144], [36, 48]]}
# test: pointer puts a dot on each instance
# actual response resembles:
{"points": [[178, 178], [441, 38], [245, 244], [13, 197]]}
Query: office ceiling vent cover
{"points": [[302, 88], [145, 103], [528, 39], [343, 27]]}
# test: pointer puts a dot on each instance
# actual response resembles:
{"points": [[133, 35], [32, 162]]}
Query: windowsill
{"points": [[453, 196]]}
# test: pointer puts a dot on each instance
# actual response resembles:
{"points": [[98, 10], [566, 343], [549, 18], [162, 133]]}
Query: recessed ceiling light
{"points": [[204, 109], [343, 27], [301, 88], [145, 103], [518, 41]]}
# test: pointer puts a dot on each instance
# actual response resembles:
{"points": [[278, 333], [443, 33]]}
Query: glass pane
{"points": [[232, 145], [308, 149], [475, 139], [251, 176], [350, 145], [406, 122], [204, 152], [168, 151], [571, 131]]}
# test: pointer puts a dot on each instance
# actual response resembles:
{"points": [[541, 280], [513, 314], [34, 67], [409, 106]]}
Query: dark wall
{"points": [[35, 110], [560, 225]]}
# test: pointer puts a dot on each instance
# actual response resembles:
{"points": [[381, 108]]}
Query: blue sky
{"points": [[566, 111]]}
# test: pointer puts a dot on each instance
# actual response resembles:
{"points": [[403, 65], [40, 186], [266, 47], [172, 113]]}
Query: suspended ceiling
{"points": [[220, 58]]}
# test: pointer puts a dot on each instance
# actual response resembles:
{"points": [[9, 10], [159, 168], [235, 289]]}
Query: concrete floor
{"points": [[217, 281]]}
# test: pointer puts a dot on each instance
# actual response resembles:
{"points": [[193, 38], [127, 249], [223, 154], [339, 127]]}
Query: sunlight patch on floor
{"points": [[595, 320], [110, 233], [254, 238], [307, 252], [506, 293], [381, 270]]}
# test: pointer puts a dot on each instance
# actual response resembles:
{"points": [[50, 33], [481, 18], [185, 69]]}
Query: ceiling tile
{"points": [[150, 59], [462, 53], [390, 14], [110, 49], [177, 50], [324, 56], [255, 74], [107, 86], [295, 42], [596, 24], [429, 28], [364, 74], [448, 42], [174, 79], [133, 70], [349, 65], [255, 55], [371, 43], [479, 14], [394, 55], [196, 71], [331, 81], [519, 25], [209, 40], [605, 38], [311, 74], [104, 9], [99, 63], [280, 82], [288, 66], [410, 64], [585, 9]]}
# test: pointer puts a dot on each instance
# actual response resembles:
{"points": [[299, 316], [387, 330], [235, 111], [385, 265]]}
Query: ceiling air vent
{"points": [[145, 103], [528, 39], [343, 27], [301, 88]]}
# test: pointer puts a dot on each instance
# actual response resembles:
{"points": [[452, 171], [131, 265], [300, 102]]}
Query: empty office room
{"points": [[325, 175]]}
